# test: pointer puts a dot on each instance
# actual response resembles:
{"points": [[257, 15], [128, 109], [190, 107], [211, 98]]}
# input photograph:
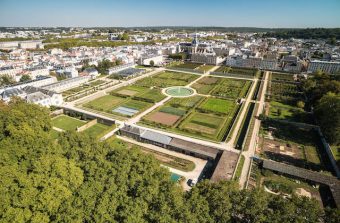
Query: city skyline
{"points": [[132, 13]]}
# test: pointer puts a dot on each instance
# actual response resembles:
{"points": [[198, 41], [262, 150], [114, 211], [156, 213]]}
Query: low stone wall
{"points": [[87, 125], [56, 112], [329, 153], [87, 116]]}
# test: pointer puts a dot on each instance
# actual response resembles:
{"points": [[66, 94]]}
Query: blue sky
{"points": [[228, 13]]}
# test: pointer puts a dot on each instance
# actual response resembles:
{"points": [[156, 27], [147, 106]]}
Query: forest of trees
{"points": [[79, 179], [310, 33]]}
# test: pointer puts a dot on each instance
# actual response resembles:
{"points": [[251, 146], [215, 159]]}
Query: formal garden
{"points": [[197, 116]]}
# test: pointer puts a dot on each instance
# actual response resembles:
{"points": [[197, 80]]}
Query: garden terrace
{"points": [[295, 145]]}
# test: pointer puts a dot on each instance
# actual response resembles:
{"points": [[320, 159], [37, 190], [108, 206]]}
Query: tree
{"points": [[76, 178], [125, 36], [6, 80], [327, 112], [25, 78], [152, 63], [300, 104]]}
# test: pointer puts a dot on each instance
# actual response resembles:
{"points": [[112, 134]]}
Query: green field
{"points": [[138, 105], [105, 103], [205, 124], [218, 105], [185, 102], [154, 95], [67, 123], [98, 130], [172, 110]]}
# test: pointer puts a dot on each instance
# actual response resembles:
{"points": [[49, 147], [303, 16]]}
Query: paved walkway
{"points": [[243, 113], [194, 174], [251, 150]]}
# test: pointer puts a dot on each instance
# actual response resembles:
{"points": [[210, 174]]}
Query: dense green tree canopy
{"points": [[78, 179], [322, 91]]}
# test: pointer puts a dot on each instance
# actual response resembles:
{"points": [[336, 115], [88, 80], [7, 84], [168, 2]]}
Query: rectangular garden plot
{"points": [[162, 118], [217, 105], [67, 123], [106, 103], [231, 88], [203, 123]]}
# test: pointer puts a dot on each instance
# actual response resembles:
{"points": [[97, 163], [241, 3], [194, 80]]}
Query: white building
{"points": [[253, 62], [10, 71], [43, 97], [38, 82], [64, 85], [91, 72], [146, 59], [33, 95], [206, 58], [324, 66], [71, 72]]}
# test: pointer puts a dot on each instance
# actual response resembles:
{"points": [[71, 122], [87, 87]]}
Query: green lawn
{"points": [[167, 79], [67, 123], [138, 105], [185, 102], [154, 95], [280, 110], [239, 168], [218, 105], [98, 130], [204, 123], [105, 103]]}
